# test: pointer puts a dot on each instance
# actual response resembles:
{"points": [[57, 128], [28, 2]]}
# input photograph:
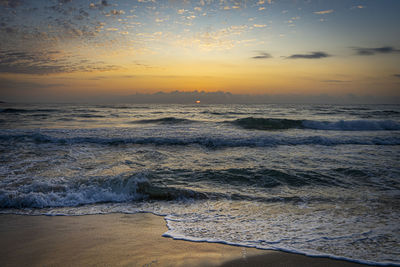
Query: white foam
{"points": [[41, 194]]}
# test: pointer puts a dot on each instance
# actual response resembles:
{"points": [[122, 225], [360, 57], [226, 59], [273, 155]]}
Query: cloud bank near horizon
{"points": [[219, 97]]}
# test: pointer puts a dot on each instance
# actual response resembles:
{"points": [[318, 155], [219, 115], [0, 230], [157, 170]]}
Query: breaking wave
{"points": [[283, 124], [27, 193]]}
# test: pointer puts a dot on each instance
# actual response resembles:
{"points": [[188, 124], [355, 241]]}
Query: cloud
{"points": [[335, 81], [313, 55], [376, 50], [222, 39], [100, 5], [260, 25], [10, 30], [115, 12], [221, 97], [13, 84], [358, 7], [46, 62], [262, 55], [10, 3], [323, 12]]}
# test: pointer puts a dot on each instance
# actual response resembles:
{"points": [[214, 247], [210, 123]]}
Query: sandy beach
{"points": [[123, 240]]}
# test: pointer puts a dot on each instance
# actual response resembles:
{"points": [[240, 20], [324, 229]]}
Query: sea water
{"points": [[320, 180]]}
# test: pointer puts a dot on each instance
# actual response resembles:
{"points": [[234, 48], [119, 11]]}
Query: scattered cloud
{"points": [[260, 25], [376, 50], [104, 3], [115, 12], [46, 62], [323, 12], [358, 7], [10, 3], [100, 5], [262, 55], [10, 30], [335, 81], [18, 86], [312, 55]]}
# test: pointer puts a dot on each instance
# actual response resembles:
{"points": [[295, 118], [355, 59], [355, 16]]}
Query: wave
{"points": [[222, 113], [207, 141], [342, 125], [354, 125], [385, 112], [18, 110], [137, 187], [13, 110], [40, 194], [166, 120], [60, 193], [88, 116], [267, 123]]}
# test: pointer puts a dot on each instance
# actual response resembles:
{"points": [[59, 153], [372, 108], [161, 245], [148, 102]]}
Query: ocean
{"points": [[319, 180]]}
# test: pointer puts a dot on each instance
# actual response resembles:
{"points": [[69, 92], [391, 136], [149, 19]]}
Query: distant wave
{"points": [[13, 110], [87, 115], [207, 141], [222, 113], [384, 112], [166, 120], [267, 123], [283, 124], [18, 110], [354, 125]]}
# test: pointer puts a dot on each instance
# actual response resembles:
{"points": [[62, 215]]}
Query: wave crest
{"points": [[267, 123], [341, 125], [166, 120], [353, 125]]}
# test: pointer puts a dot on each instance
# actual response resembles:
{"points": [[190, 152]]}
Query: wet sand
{"points": [[124, 240]]}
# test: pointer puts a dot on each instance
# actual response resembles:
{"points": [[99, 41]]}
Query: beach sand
{"points": [[123, 240]]}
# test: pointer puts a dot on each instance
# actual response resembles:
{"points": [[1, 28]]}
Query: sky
{"points": [[77, 50]]}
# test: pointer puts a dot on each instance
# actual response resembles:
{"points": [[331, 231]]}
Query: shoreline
{"points": [[120, 239]]}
